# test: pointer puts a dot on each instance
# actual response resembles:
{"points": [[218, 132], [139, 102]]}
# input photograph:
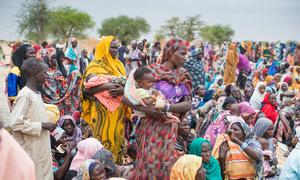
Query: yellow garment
{"points": [[296, 75], [268, 80], [186, 167], [232, 59], [106, 126], [249, 47], [52, 112]]}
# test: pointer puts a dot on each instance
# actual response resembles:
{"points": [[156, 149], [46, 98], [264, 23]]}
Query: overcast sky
{"points": [[251, 19]]}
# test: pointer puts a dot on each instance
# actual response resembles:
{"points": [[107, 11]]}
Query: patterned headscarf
{"points": [[171, 47], [244, 127], [86, 169]]}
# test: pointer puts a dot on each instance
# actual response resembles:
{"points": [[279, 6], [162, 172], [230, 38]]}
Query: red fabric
{"points": [[269, 109], [36, 48], [265, 71], [287, 79]]}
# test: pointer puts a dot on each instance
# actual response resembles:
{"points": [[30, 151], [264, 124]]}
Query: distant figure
{"points": [[123, 50]]}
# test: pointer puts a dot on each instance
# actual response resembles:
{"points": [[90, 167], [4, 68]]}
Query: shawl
{"points": [[257, 97], [195, 68], [243, 63], [86, 150], [261, 126], [186, 167], [213, 171], [77, 136], [104, 97], [269, 109], [268, 80]]}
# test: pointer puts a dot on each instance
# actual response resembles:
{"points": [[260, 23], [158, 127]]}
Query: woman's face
{"points": [[248, 92], [178, 58], [98, 173], [30, 52], [284, 87], [269, 133], [201, 174], [68, 126], [201, 91], [272, 99], [113, 49], [236, 92], [205, 152], [184, 127], [262, 89], [238, 132]]}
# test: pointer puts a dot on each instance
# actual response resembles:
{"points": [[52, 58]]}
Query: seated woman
{"points": [[269, 107], [202, 148], [258, 95], [238, 152], [73, 133], [184, 138], [61, 153], [86, 150], [188, 167], [91, 170]]}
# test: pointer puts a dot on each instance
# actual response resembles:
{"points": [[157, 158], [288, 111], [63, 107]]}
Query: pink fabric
{"points": [[86, 150], [14, 163], [104, 97]]}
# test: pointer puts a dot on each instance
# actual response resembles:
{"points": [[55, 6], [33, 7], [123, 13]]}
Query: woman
{"points": [[91, 170], [232, 60], [237, 152], [258, 95], [188, 167], [155, 138], [202, 148], [86, 150], [73, 133], [269, 107], [256, 78], [15, 79], [107, 126]]}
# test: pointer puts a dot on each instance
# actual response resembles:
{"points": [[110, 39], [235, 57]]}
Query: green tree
{"points": [[124, 27], [32, 20], [159, 36], [217, 34], [186, 29], [66, 22]]}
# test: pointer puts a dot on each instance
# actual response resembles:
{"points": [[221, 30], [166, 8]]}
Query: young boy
{"points": [[29, 121]]}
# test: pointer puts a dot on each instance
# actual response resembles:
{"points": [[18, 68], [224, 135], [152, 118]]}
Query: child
{"points": [[270, 160], [141, 92], [29, 121], [111, 103]]}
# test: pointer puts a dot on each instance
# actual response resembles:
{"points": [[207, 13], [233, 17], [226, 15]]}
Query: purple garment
{"points": [[243, 63], [173, 93]]}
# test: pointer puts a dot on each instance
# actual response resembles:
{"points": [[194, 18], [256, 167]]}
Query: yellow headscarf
{"points": [[186, 167], [268, 79], [108, 65]]}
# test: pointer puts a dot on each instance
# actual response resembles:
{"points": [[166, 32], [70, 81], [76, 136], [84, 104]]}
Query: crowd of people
{"points": [[174, 110]]}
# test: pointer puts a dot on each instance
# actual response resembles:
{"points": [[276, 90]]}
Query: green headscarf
{"points": [[213, 170]]}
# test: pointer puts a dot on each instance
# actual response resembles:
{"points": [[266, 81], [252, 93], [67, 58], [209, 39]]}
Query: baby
{"points": [[144, 94], [104, 97], [269, 162]]}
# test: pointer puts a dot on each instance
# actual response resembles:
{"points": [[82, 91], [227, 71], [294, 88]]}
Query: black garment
{"points": [[121, 52]]}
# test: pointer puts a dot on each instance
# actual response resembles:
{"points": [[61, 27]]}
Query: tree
{"points": [[216, 34], [159, 36], [124, 27], [186, 29], [66, 22], [32, 20]]}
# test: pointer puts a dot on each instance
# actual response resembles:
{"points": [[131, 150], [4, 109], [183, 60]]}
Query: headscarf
{"points": [[86, 169], [287, 79], [171, 47], [104, 59], [268, 80], [261, 126], [213, 171], [186, 167], [269, 109], [57, 133], [257, 97], [105, 157], [244, 127], [86, 150], [245, 108], [52, 112], [77, 135]]}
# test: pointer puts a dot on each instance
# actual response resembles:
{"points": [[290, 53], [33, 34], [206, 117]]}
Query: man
{"points": [[123, 50]]}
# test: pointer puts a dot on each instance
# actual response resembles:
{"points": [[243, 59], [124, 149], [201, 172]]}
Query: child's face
{"points": [[284, 87], [220, 82], [272, 99], [146, 82], [201, 91], [262, 89], [41, 75], [98, 173]]}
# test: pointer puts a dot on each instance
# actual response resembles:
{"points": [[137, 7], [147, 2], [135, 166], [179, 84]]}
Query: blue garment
{"points": [[13, 82], [273, 69]]}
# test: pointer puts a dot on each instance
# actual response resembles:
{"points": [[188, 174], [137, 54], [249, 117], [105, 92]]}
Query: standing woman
{"points": [[156, 138], [258, 95], [107, 126], [232, 59]]}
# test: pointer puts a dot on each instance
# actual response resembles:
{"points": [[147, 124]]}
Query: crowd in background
{"points": [[172, 110]]}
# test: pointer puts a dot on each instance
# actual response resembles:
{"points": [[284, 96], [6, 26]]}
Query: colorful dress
{"points": [[156, 139]]}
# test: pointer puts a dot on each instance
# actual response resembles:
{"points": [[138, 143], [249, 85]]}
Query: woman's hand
{"points": [[117, 91], [223, 150], [152, 112]]}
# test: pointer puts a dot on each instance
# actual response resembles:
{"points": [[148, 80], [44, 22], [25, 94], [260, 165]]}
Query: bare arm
{"points": [[94, 90], [183, 106], [250, 151], [148, 101]]}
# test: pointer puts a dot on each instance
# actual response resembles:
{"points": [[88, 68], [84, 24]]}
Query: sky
{"points": [[258, 20]]}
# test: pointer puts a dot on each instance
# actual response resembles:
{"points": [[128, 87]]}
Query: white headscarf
{"points": [[257, 97]]}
